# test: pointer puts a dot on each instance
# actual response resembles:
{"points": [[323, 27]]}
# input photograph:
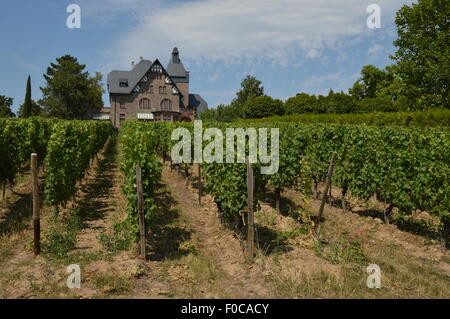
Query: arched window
{"points": [[166, 104], [144, 104], [150, 89]]}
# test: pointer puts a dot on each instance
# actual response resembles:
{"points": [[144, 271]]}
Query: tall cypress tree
{"points": [[27, 106]]}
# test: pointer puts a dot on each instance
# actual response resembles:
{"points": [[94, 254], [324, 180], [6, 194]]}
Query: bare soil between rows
{"points": [[191, 254]]}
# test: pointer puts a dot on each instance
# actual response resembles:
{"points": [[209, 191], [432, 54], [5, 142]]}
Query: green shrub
{"points": [[262, 106]]}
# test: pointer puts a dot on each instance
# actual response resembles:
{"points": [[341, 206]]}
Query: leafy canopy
{"points": [[70, 92], [423, 53], [5, 106], [262, 106]]}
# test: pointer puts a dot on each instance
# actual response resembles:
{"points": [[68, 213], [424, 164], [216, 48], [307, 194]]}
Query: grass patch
{"points": [[341, 252], [112, 284], [202, 268], [115, 242], [7, 245], [62, 235]]}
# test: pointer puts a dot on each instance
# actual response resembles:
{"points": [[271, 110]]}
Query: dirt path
{"points": [[212, 263], [99, 203]]}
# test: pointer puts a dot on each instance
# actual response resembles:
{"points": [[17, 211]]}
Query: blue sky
{"points": [[290, 45]]}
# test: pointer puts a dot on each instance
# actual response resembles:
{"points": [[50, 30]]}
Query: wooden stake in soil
{"points": [[186, 181], [250, 214], [140, 209], [387, 213], [277, 200], [325, 192], [36, 205], [199, 184]]}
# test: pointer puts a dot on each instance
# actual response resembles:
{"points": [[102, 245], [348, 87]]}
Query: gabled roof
{"points": [[197, 102], [134, 77]]}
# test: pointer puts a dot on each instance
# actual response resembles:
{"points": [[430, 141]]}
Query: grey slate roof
{"points": [[176, 69], [197, 102], [133, 77]]}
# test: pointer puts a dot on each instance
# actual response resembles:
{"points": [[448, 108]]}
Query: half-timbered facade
{"points": [[150, 92]]}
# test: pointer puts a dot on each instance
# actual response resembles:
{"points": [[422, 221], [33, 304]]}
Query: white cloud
{"points": [[337, 81], [19, 62], [375, 50], [318, 81], [251, 30], [214, 77], [313, 53]]}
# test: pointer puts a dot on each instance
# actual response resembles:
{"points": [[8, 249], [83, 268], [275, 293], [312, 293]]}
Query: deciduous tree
{"points": [[5, 106], [262, 106], [423, 53]]}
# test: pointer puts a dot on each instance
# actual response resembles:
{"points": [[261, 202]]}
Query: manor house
{"points": [[150, 92]]}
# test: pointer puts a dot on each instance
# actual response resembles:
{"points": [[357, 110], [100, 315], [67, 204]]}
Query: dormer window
{"points": [[123, 83]]}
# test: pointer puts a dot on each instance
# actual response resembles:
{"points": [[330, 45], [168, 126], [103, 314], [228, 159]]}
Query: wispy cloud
{"points": [[236, 30], [19, 62], [336, 81], [375, 50]]}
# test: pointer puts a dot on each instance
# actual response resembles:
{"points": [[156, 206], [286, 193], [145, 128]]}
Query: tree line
{"points": [[69, 93], [418, 79]]}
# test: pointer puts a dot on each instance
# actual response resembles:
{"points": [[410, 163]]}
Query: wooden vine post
{"points": [[250, 214], [200, 184], [186, 181], [140, 210], [278, 200], [36, 205], [325, 192]]}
